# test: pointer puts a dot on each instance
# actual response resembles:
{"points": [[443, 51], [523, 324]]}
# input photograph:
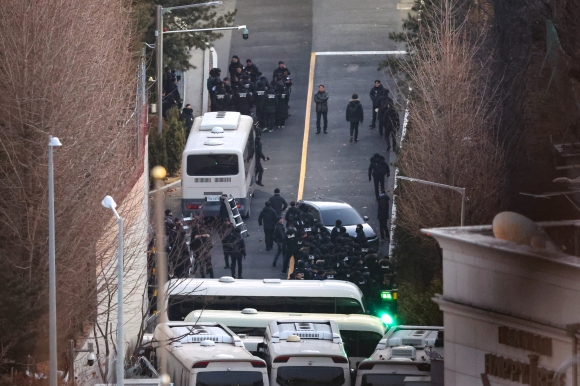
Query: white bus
{"points": [[207, 354], [306, 352], [218, 159], [404, 356], [360, 333], [274, 295]]}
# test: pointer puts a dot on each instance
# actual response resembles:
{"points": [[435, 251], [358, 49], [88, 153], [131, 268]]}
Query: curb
{"points": [[175, 183]]}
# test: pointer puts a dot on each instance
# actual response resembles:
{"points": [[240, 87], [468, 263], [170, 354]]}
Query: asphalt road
{"points": [[291, 31]]}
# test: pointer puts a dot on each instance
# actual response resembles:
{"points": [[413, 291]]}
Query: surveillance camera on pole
{"points": [[245, 34]]}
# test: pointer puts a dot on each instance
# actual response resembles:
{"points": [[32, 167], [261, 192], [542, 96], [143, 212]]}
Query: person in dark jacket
{"points": [[336, 230], [383, 103], [354, 115], [221, 100], [293, 214], [268, 219], [259, 157], [278, 202], [321, 100], [279, 237], [234, 64], [392, 124], [201, 246], [259, 101], [383, 214], [279, 72], [227, 243], [281, 114], [376, 92], [171, 98], [360, 237], [252, 70], [187, 116], [378, 169], [238, 252], [269, 111], [292, 247], [243, 99]]}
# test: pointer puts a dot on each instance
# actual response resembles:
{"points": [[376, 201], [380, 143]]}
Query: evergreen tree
{"points": [[174, 141], [157, 152]]}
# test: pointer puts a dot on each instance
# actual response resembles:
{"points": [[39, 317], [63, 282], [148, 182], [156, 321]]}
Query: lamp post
{"points": [[109, 203], [159, 48], [52, 142], [455, 188]]}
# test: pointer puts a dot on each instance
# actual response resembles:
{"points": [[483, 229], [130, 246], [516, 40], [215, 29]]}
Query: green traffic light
{"points": [[387, 319]]}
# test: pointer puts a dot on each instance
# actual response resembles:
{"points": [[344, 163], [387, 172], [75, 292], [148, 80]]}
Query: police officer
{"points": [[269, 111], [259, 157], [243, 99], [238, 252], [392, 124], [293, 214], [259, 101], [279, 238], [221, 100], [292, 247], [383, 214], [378, 169], [278, 202], [268, 218], [282, 107]]}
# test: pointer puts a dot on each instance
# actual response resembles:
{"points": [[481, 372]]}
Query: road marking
{"points": [[309, 97], [306, 126], [334, 53]]}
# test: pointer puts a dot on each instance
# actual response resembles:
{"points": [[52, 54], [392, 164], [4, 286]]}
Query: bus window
{"points": [[349, 339], [367, 342], [310, 305], [348, 306], [179, 307], [262, 303], [249, 331], [212, 165], [224, 303]]}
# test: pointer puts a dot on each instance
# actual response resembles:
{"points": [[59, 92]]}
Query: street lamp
{"points": [[52, 142], [159, 48], [455, 188], [109, 203]]}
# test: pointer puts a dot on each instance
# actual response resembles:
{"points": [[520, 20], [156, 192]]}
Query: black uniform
{"points": [[378, 169], [243, 100], [375, 94], [187, 116], [279, 238], [292, 247], [259, 157], [221, 100], [279, 204], [354, 115], [259, 101], [282, 108], [391, 126], [270, 106], [383, 215], [238, 252], [268, 218]]}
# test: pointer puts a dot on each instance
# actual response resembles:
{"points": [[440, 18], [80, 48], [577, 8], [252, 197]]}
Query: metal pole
{"points": [[207, 29], [161, 266], [71, 344], [159, 52], [120, 340], [462, 206], [51, 273]]}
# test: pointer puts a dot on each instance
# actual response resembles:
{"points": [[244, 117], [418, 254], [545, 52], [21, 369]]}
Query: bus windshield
{"points": [[227, 378], [212, 165], [310, 376]]}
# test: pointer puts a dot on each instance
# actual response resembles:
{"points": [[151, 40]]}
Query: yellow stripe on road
{"points": [[309, 97]]}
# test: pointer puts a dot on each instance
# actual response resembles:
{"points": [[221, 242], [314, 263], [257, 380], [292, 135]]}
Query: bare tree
{"points": [[451, 135], [66, 69]]}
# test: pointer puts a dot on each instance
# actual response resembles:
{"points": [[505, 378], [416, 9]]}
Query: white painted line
{"points": [[335, 53], [171, 185]]}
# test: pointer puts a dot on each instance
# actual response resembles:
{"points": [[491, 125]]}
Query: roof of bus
{"points": [[305, 346], [259, 319], [233, 140], [189, 353], [227, 286]]}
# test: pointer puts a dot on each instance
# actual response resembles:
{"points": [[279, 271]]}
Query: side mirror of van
{"points": [[260, 347], [366, 218]]}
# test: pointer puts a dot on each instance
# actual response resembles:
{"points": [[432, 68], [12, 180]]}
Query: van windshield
{"points": [[389, 380], [310, 376], [229, 378], [212, 165]]}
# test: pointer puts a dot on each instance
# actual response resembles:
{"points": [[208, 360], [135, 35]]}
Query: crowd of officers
{"points": [[246, 88], [315, 253]]}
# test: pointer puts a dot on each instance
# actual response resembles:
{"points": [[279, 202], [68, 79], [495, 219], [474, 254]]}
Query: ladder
{"points": [[236, 217]]}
